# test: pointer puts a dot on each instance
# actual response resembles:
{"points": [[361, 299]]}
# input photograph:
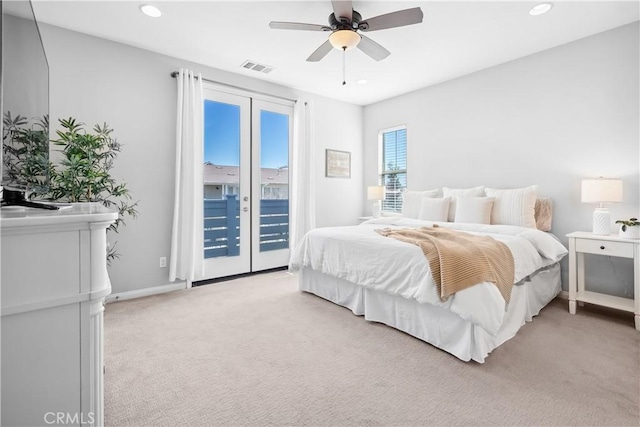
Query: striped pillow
{"points": [[514, 206]]}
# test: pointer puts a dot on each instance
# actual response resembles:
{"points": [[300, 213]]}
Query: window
{"points": [[393, 166]]}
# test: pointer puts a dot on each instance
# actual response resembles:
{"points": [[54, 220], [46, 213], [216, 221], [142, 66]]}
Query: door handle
{"points": [[245, 198], [245, 209]]}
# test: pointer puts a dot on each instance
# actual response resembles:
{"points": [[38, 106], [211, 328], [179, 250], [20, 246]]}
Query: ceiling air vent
{"points": [[261, 68]]}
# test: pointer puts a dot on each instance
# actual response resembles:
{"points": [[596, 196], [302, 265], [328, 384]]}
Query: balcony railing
{"points": [[222, 226]]}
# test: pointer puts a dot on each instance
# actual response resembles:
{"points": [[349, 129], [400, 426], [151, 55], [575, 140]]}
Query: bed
{"points": [[389, 281]]}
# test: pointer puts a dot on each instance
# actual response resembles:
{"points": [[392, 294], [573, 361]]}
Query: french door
{"points": [[247, 146]]}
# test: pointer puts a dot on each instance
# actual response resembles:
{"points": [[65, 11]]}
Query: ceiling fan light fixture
{"points": [[344, 39]]}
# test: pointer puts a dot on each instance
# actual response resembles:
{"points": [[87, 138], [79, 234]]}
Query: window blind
{"points": [[394, 168]]}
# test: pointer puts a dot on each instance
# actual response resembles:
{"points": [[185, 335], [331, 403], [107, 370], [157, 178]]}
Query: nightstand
{"points": [[581, 243]]}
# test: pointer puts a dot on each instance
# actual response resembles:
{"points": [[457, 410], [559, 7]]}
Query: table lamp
{"points": [[601, 191], [375, 193]]}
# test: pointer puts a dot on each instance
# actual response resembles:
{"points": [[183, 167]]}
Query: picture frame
{"points": [[337, 164]]}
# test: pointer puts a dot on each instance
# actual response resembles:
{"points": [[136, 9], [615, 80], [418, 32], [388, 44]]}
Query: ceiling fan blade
{"points": [[373, 49], [398, 18], [297, 26], [320, 52], [342, 9]]}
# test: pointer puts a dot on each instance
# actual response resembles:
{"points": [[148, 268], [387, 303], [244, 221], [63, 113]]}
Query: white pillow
{"points": [[434, 209], [411, 202], [514, 206], [460, 192], [475, 210]]}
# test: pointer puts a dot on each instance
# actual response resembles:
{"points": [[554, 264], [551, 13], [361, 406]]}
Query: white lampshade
{"points": [[344, 39], [375, 193], [601, 190]]}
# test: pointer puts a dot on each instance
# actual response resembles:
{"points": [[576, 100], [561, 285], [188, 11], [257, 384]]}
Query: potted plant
{"points": [[25, 150], [629, 228], [84, 173]]}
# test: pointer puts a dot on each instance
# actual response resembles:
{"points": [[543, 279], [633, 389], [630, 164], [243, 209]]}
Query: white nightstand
{"points": [[581, 243]]}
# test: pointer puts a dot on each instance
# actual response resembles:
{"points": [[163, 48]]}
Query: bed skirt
{"points": [[434, 324]]}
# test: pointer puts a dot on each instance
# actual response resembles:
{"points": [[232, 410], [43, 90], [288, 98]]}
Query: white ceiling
{"points": [[455, 38]]}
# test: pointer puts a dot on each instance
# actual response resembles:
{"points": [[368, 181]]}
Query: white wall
{"points": [[550, 119], [338, 126], [24, 90], [97, 81]]}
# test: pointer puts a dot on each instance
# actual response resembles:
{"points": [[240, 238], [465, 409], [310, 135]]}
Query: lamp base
{"points": [[375, 211], [601, 222]]}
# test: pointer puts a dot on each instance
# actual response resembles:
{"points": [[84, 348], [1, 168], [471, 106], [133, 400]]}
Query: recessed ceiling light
{"points": [[540, 9], [362, 81], [151, 11]]}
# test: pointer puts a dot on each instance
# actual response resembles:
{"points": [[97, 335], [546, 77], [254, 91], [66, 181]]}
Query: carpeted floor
{"points": [[256, 351]]}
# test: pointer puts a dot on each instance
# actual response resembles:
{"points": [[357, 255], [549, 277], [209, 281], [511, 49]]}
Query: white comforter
{"points": [[360, 255]]}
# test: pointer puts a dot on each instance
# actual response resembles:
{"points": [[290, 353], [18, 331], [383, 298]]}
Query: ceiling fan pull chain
{"points": [[344, 65]]}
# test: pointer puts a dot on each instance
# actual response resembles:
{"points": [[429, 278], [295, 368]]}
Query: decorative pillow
{"points": [[476, 210], [514, 206], [411, 202], [460, 192], [434, 209], [543, 213]]}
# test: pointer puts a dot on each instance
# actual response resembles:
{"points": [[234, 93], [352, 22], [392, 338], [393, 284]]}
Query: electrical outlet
{"points": [[163, 261]]}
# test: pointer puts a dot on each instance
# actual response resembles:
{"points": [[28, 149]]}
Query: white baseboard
{"points": [[139, 293], [145, 292]]}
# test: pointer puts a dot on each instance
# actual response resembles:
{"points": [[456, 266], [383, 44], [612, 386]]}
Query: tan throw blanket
{"points": [[459, 260]]}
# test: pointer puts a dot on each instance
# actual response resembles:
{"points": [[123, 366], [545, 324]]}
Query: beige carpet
{"points": [[256, 351]]}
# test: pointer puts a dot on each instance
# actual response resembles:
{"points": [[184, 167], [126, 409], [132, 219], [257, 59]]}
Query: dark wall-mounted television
{"points": [[24, 82]]}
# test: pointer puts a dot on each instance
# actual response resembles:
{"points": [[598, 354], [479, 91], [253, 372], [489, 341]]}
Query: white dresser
{"points": [[54, 281]]}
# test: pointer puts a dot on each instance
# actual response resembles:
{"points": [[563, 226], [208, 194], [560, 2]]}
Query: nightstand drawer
{"points": [[600, 247]]}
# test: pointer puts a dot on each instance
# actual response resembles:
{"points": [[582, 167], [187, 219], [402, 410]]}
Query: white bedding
{"points": [[360, 255]]}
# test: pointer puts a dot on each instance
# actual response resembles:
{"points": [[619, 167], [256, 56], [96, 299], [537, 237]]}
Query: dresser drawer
{"points": [[600, 247]]}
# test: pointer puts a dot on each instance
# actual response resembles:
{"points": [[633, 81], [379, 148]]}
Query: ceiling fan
{"points": [[346, 24]]}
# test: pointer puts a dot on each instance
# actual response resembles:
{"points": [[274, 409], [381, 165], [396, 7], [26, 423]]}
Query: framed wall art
{"points": [[338, 164]]}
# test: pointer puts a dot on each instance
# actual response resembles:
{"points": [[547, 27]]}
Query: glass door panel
{"points": [[272, 135], [221, 179], [226, 184], [274, 181]]}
